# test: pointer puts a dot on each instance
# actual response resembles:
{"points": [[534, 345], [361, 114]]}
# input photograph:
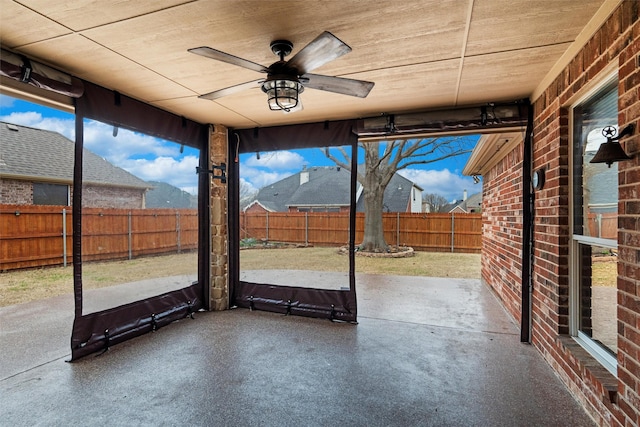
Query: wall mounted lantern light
{"points": [[611, 151]]}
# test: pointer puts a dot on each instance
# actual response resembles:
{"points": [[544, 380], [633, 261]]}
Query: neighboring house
{"points": [[36, 168], [163, 195], [326, 189], [471, 204]]}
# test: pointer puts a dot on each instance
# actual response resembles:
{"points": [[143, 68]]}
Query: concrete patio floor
{"points": [[426, 352]]}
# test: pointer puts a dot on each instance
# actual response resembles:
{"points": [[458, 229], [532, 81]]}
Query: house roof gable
{"points": [[473, 202], [329, 186], [43, 155]]}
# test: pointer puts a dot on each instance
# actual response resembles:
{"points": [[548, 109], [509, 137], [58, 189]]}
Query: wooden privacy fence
{"points": [[603, 225], [35, 236], [425, 232]]}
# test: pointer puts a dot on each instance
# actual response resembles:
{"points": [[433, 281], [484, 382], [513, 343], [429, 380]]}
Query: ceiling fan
{"points": [[286, 80]]}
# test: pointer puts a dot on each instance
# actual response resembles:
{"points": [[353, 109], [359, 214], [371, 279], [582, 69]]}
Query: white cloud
{"points": [[6, 101], [260, 178], [442, 182], [270, 167], [180, 173], [33, 119], [98, 137], [146, 157], [287, 160], [247, 188]]}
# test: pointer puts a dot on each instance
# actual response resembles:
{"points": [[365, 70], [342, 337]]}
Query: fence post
{"points": [[398, 230], [267, 226], [306, 228], [453, 234], [178, 230], [243, 224], [64, 237], [130, 243]]}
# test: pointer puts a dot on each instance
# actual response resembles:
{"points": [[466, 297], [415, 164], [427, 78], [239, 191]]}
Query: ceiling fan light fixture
{"points": [[282, 93]]}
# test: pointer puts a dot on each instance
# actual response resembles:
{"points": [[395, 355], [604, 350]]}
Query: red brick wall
{"points": [[610, 400], [629, 217], [502, 230], [15, 192], [256, 208], [94, 196], [18, 192]]}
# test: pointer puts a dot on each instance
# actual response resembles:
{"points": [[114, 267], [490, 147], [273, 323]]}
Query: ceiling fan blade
{"points": [[228, 58], [231, 90], [325, 48], [359, 88]]}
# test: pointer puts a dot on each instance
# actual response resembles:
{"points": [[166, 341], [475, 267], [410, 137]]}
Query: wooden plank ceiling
{"points": [[421, 55]]}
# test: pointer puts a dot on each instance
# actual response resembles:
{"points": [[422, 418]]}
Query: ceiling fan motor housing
{"points": [[281, 48]]}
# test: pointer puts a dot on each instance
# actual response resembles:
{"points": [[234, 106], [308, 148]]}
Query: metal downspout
{"points": [[204, 224], [527, 230], [352, 220], [233, 215]]}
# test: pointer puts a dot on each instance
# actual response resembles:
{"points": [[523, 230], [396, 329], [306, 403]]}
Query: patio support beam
{"points": [[77, 215], [219, 280]]}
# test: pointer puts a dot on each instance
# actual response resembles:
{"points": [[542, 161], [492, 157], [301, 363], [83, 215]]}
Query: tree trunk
{"points": [[374, 186], [373, 240]]}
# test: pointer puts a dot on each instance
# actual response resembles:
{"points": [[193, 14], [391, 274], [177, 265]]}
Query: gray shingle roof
{"points": [[472, 204], [397, 195], [326, 186], [35, 154], [329, 186]]}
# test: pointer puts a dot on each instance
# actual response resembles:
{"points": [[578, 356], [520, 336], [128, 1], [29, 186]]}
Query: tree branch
{"points": [[346, 164], [424, 162]]}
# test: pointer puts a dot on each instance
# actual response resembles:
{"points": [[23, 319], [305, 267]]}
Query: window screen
{"points": [[50, 194]]}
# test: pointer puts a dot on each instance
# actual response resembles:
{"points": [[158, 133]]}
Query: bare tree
{"points": [[382, 160], [435, 201], [247, 193]]}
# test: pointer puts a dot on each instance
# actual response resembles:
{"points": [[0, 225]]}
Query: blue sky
{"points": [[153, 159], [149, 158], [442, 177]]}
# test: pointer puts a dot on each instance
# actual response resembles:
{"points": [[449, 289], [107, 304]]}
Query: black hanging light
{"points": [[611, 151], [282, 86], [283, 92]]}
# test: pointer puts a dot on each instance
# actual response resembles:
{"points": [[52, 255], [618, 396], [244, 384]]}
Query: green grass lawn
{"points": [[28, 285]]}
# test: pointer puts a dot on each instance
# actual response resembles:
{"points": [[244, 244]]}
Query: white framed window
{"points": [[594, 227]]}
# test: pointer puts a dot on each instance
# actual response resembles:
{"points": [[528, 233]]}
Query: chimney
{"points": [[304, 175], [464, 195]]}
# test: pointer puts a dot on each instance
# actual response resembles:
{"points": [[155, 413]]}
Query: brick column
{"points": [[219, 280]]}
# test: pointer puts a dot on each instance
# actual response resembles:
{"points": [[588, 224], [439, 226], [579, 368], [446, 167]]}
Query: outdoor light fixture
{"points": [[611, 151], [283, 93]]}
